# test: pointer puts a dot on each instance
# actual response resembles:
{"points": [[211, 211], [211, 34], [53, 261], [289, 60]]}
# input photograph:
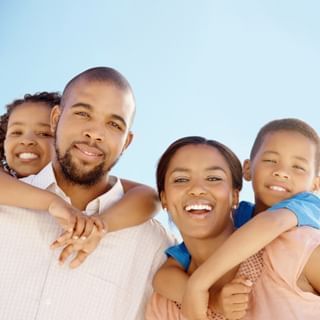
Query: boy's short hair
{"points": [[288, 124], [49, 98]]}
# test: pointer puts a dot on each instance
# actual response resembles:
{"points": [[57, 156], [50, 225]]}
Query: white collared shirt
{"points": [[114, 283]]}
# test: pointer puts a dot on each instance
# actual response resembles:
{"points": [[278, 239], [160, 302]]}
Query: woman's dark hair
{"points": [[232, 160], [49, 98]]}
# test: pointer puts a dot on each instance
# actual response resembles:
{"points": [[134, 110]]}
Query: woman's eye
{"points": [[180, 180], [213, 178]]}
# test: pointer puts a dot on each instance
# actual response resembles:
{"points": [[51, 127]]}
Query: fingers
{"points": [[79, 259], [65, 253], [79, 227], [63, 240], [99, 224], [88, 228]]}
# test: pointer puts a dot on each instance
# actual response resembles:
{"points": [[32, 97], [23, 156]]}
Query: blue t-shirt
{"points": [[305, 205]]}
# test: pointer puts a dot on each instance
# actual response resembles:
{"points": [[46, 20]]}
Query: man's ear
{"points": [[128, 141], [54, 117], [246, 168]]}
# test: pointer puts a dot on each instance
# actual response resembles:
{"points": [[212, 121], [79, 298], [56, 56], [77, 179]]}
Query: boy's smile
{"points": [[283, 166]]}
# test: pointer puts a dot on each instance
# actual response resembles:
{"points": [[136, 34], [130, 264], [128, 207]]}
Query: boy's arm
{"points": [[311, 270], [171, 280], [244, 242], [139, 204]]}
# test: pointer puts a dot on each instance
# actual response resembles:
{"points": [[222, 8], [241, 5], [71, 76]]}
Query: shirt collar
{"points": [[46, 179]]}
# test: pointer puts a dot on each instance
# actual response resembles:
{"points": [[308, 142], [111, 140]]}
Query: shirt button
{"points": [[47, 302]]}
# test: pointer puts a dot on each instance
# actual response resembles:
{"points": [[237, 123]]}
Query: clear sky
{"points": [[220, 69]]}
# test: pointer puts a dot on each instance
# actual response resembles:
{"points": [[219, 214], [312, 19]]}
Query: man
{"points": [[92, 129]]}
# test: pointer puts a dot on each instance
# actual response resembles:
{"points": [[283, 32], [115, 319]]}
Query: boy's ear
{"points": [[247, 170], [128, 140], [316, 184], [54, 117]]}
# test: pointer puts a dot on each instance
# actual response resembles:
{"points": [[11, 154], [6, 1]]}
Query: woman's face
{"points": [[198, 191]]}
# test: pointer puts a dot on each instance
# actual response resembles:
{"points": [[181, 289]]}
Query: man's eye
{"points": [[115, 125]]}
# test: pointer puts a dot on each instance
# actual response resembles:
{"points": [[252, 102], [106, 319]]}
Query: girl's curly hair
{"points": [[49, 98]]}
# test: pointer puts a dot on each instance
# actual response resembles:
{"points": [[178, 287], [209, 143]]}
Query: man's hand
{"points": [[233, 299]]}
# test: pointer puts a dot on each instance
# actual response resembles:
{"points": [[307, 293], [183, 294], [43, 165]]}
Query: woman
{"points": [[199, 183]]}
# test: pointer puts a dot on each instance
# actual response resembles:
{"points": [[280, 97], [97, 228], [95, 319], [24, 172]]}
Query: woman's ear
{"points": [[246, 168], [316, 185], [235, 199], [163, 200]]}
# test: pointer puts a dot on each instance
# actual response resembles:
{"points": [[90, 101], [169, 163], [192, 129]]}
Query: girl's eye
{"points": [[44, 134], [15, 133], [214, 178]]}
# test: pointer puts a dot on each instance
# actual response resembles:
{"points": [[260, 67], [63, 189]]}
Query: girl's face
{"points": [[28, 144], [198, 191]]}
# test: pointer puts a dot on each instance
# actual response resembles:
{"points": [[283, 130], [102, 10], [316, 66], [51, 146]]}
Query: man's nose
{"points": [[95, 133]]}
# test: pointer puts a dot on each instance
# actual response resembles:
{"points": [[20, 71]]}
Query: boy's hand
{"points": [[233, 299]]}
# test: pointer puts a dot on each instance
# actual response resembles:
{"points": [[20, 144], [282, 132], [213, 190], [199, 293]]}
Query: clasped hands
{"points": [[81, 234]]}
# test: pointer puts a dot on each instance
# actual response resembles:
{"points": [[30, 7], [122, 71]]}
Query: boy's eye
{"points": [[82, 114], [299, 168], [269, 161]]}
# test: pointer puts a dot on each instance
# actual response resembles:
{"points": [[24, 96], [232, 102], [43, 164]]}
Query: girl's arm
{"points": [[139, 204], [16, 193], [244, 242]]}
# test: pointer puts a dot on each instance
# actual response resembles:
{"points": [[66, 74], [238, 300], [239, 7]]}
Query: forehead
{"points": [[197, 157], [290, 143], [103, 97], [40, 111]]}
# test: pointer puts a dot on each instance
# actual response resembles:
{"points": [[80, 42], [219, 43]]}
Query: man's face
{"points": [[92, 130], [283, 167]]}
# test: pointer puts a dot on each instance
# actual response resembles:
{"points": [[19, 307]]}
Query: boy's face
{"points": [[283, 166], [28, 144]]}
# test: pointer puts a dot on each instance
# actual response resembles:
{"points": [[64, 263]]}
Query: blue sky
{"points": [[220, 69]]}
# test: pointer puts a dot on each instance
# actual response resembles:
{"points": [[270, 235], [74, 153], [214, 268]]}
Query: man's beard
{"points": [[73, 173]]}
